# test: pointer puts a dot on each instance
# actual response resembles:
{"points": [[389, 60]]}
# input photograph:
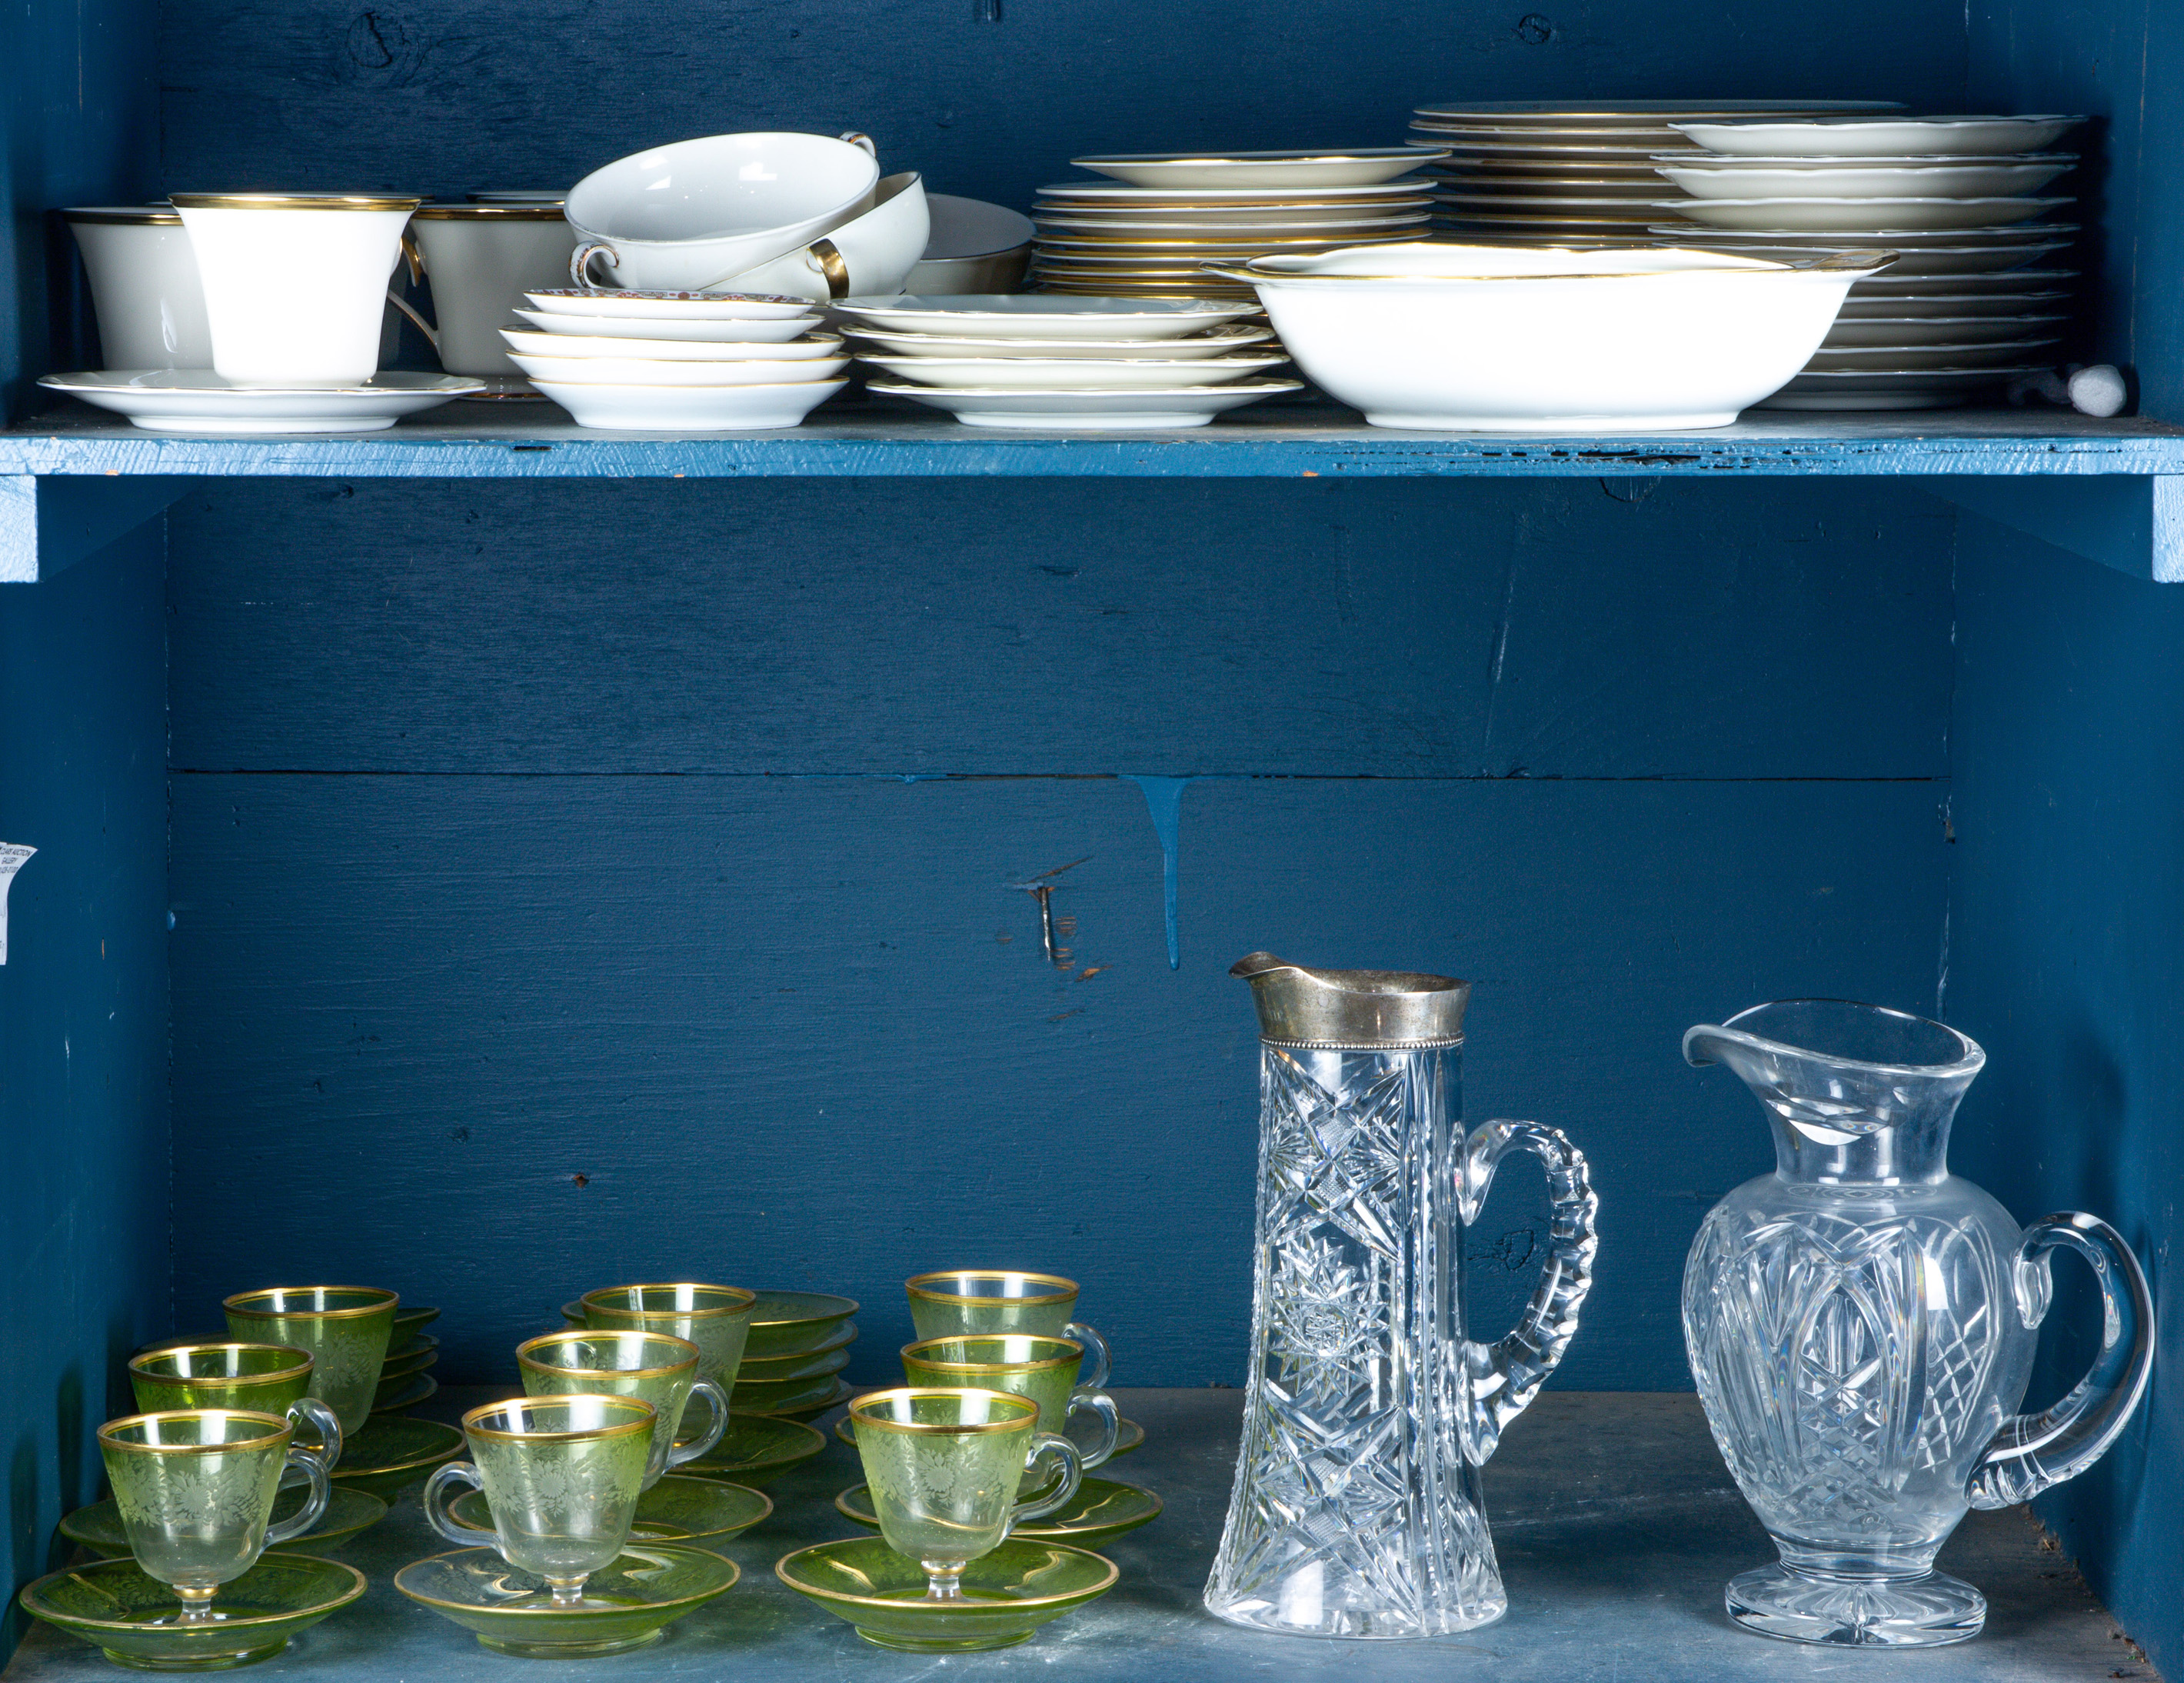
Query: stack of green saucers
{"points": [[403, 1381], [800, 1343]]}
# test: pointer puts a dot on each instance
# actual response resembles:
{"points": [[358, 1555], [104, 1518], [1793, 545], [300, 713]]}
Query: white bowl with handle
{"points": [[870, 254], [1504, 339]]}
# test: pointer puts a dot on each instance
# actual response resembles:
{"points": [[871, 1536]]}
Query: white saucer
{"points": [[198, 400], [666, 306], [1216, 341], [1971, 178], [1283, 170], [1848, 137], [1039, 316], [1859, 215], [734, 330], [1941, 330], [1041, 374], [1175, 406], [690, 409]]}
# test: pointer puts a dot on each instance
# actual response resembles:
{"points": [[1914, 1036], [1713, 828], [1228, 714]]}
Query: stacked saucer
{"points": [[403, 1382], [1031, 359], [1534, 172], [1967, 203], [677, 362], [1144, 232], [799, 1344]]}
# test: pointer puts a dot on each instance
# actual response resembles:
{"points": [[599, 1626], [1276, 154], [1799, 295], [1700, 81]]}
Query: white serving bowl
{"points": [[1129, 374], [602, 371], [817, 348], [778, 332], [869, 255], [1041, 315], [1503, 339], [689, 409], [1216, 342], [689, 216]]}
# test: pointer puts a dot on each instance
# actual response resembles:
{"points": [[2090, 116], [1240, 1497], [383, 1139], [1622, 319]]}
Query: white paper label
{"points": [[12, 855]]}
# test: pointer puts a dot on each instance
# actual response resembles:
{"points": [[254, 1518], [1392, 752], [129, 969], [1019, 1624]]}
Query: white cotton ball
{"points": [[2099, 390]]}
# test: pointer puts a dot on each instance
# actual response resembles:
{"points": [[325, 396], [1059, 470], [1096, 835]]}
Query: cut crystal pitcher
{"points": [[1861, 1323], [1357, 1508]]}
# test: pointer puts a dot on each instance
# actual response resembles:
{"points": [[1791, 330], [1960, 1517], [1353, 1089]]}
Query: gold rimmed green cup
{"points": [[716, 1319], [1043, 1370], [345, 1327], [956, 1302], [561, 1475], [649, 1366], [196, 1487], [945, 1465], [263, 1379]]}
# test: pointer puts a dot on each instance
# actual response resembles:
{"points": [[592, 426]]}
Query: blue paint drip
{"points": [[1164, 800]]}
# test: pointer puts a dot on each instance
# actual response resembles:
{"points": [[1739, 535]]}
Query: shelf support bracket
{"points": [[49, 521], [2130, 521]]}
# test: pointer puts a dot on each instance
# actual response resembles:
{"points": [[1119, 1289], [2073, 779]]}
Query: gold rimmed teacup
{"points": [[345, 1327], [264, 1379], [649, 1366], [716, 1319], [962, 1302], [1043, 1371]]}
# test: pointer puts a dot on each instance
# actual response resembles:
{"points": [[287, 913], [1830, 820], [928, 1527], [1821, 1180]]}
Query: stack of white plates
{"points": [[1968, 203], [677, 362], [1534, 172], [1041, 361], [1145, 231]]}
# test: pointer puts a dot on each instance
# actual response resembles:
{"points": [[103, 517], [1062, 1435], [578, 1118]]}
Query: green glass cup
{"points": [[649, 1366], [956, 1302], [195, 1487], [561, 1475], [345, 1327], [716, 1319], [263, 1379], [945, 1466], [1043, 1370]]}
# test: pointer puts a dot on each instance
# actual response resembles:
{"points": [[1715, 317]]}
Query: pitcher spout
{"points": [[1360, 1010]]}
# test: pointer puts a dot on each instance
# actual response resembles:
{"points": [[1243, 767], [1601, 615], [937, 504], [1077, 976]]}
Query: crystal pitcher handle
{"points": [[2032, 1451], [1501, 1378]]}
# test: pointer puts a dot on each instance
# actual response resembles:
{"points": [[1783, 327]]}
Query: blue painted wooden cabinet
{"points": [[489, 870]]}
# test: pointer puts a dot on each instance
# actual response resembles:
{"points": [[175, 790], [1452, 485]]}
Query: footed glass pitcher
{"points": [[1357, 1508], [1861, 1323]]}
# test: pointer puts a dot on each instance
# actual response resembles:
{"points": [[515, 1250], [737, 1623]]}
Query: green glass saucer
{"points": [[702, 1512], [783, 1398], [1099, 1512], [627, 1606], [408, 1325], [395, 1395], [419, 1357], [794, 1322], [98, 1527], [1128, 1435], [130, 1616], [804, 1364], [1006, 1595], [394, 1452], [842, 1392], [756, 1449]]}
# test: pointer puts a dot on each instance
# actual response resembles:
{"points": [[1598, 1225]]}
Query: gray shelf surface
{"points": [[1615, 1520]]}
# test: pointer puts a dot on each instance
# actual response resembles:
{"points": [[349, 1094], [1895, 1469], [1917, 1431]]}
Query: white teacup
{"points": [[144, 285], [481, 258], [295, 284], [868, 256], [685, 217]]}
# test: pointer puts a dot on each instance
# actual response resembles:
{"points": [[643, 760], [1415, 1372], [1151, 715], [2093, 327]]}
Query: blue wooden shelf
{"points": [[2107, 489]]}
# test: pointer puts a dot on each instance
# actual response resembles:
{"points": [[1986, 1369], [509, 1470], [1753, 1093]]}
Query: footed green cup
{"points": [[716, 1319], [345, 1327], [264, 1379], [1042, 1370], [649, 1366]]}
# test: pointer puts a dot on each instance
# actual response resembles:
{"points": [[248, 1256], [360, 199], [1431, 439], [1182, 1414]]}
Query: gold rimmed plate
{"points": [[699, 1512], [1102, 1510], [1006, 1595], [393, 1452], [395, 1395], [626, 1605], [755, 1449], [98, 1527]]}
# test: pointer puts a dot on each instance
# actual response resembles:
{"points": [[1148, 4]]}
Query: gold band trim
{"points": [[126, 216], [910, 1353], [524, 1358], [294, 201], [918, 1286], [590, 1299], [489, 213], [302, 1365], [472, 1426], [254, 1305], [1029, 1420], [280, 1432]]}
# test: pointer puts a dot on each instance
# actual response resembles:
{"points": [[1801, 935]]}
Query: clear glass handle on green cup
{"points": [[1044, 1445], [313, 1463], [323, 1422], [689, 1448], [438, 1505], [1102, 1407], [1103, 1360]]}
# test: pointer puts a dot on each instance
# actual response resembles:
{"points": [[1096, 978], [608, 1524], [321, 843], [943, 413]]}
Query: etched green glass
{"points": [[345, 1327], [651, 1367], [562, 1475], [196, 1487], [716, 1319], [1043, 1370], [945, 1466], [961, 1302], [264, 1379]]}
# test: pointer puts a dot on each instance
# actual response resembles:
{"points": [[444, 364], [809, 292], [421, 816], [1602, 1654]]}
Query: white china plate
{"points": [[1859, 359], [1272, 233], [1642, 188], [1646, 110], [1913, 262], [817, 348], [1859, 215], [1114, 192], [1089, 256], [1366, 167], [728, 331], [670, 306], [1940, 330], [2007, 281], [1904, 389], [1040, 374], [198, 400], [1237, 335], [1859, 137], [2013, 234], [690, 409], [1587, 209], [1544, 152], [1174, 406], [1961, 306], [1912, 182], [602, 371], [1299, 218], [1034, 315]]}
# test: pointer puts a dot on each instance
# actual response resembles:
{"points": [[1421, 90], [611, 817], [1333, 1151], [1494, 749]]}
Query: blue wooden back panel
{"points": [[83, 1027]]}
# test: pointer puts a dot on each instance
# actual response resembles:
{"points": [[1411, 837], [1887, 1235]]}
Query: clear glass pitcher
{"points": [[1357, 1508], [1861, 1323]]}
